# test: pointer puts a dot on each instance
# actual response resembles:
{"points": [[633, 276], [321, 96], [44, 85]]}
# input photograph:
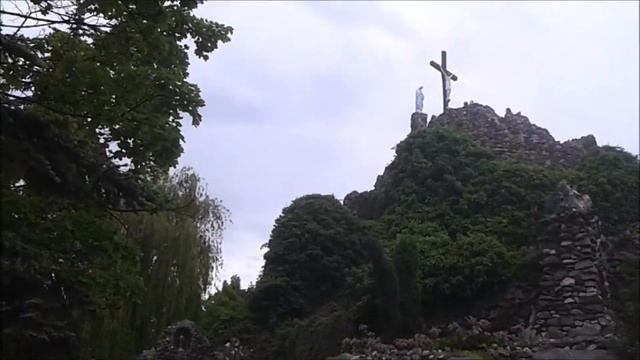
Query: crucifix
{"points": [[447, 76]]}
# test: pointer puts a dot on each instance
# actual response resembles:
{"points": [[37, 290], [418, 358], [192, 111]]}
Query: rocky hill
{"points": [[484, 238], [511, 137], [514, 137]]}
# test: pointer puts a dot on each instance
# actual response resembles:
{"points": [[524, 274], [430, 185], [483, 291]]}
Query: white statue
{"points": [[419, 99]]}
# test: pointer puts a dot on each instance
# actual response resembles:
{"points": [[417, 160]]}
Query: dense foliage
{"points": [[95, 283], [444, 178], [446, 225], [93, 104], [612, 179], [406, 260], [95, 233], [180, 253], [62, 265], [464, 267], [226, 314], [324, 273], [627, 306], [102, 247], [312, 247]]}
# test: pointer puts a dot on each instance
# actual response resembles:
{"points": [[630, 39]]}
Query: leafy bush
{"points": [[406, 262], [63, 269], [312, 247], [444, 178], [463, 267], [626, 304], [612, 179], [226, 314], [317, 336]]}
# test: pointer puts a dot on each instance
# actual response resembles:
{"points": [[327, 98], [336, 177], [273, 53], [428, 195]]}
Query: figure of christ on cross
{"points": [[447, 76]]}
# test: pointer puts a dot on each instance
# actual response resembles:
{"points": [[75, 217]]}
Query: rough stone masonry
{"points": [[512, 136], [571, 309]]}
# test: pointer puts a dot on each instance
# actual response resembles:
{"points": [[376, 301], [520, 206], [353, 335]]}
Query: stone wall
{"points": [[514, 136], [572, 308], [418, 121]]}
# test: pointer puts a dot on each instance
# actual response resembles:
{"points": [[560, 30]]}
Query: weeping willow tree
{"points": [[180, 257]]}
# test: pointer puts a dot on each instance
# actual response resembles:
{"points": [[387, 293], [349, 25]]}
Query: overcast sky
{"points": [[310, 97]]}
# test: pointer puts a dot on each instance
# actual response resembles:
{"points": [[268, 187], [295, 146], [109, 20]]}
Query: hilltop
{"points": [[484, 234]]}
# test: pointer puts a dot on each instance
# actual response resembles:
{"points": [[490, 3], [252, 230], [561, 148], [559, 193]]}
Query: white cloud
{"points": [[310, 97]]}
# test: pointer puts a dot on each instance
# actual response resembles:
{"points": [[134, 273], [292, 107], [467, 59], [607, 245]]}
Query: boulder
{"points": [[344, 356], [567, 281], [586, 330]]}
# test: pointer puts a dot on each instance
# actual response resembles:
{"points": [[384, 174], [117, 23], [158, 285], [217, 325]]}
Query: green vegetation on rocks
{"points": [[104, 245], [447, 224]]}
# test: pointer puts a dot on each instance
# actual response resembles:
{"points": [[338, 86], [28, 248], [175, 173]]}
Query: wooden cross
{"points": [[447, 76]]}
